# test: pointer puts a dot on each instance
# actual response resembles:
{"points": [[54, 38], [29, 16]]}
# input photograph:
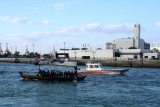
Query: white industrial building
{"points": [[119, 50], [134, 42], [151, 56], [156, 48], [121, 43], [130, 54], [87, 54], [109, 54], [137, 54]]}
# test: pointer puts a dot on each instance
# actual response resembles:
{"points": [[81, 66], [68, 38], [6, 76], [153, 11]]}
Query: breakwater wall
{"points": [[18, 60], [124, 63], [118, 63]]}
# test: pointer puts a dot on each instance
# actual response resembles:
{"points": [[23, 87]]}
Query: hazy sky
{"points": [[48, 23]]}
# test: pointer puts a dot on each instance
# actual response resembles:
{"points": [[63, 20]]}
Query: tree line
{"points": [[28, 55]]}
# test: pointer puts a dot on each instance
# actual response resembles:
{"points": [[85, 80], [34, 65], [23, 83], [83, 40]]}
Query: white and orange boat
{"points": [[97, 68]]}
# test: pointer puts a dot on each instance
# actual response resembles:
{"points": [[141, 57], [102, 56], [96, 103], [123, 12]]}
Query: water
{"points": [[138, 87]]}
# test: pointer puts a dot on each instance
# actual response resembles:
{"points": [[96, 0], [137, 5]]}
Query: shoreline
{"points": [[116, 63]]}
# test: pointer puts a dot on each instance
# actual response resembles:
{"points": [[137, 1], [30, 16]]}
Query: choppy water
{"points": [[138, 87]]}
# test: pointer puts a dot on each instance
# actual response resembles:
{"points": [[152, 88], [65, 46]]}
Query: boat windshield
{"points": [[100, 66], [96, 66], [91, 66]]}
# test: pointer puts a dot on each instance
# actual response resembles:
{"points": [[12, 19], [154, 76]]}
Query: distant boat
{"points": [[57, 63], [66, 63], [96, 68]]}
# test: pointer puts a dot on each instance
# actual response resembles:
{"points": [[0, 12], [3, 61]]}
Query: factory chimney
{"points": [[137, 35]]}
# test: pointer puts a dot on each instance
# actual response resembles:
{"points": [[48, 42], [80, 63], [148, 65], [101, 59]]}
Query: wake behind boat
{"points": [[96, 68]]}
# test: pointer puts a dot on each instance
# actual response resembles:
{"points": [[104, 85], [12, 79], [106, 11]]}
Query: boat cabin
{"points": [[94, 66]]}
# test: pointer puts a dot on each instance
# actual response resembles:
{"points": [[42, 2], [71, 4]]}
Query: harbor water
{"points": [[139, 87]]}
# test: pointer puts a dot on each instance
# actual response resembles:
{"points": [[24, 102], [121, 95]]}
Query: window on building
{"points": [[145, 56], [153, 57], [117, 54], [85, 57], [135, 57]]}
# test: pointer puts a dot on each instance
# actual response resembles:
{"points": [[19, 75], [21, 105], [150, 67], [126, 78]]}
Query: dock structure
{"points": [[117, 63]]}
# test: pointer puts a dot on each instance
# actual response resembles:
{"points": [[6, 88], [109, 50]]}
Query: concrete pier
{"points": [[18, 60], [118, 63], [124, 63]]}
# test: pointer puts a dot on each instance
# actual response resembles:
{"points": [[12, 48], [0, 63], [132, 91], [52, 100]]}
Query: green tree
{"points": [[31, 55], [37, 54], [7, 55], [17, 54]]}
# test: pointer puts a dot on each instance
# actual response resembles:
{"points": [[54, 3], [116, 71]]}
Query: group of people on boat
{"points": [[53, 73]]}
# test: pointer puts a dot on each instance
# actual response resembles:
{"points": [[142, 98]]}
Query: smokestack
{"points": [[137, 35]]}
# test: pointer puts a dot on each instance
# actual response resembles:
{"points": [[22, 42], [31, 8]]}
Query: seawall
{"points": [[18, 60], [124, 63], [118, 63]]}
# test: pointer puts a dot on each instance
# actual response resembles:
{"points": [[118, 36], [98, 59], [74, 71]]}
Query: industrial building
{"points": [[123, 49], [135, 42], [137, 54], [110, 45], [156, 48], [88, 54], [109, 54]]}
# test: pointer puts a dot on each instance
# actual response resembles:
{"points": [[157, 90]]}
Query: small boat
{"points": [[57, 63], [97, 68], [60, 78], [66, 63]]}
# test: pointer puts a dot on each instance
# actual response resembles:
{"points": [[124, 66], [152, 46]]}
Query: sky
{"points": [[51, 23]]}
